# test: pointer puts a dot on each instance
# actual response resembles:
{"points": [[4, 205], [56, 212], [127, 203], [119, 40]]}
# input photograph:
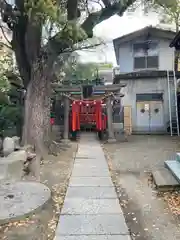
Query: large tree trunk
{"points": [[37, 110]]}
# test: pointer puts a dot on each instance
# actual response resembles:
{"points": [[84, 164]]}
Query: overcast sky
{"points": [[113, 28]]}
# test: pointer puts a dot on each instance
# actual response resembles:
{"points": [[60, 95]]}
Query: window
{"points": [[149, 97], [146, 55]]}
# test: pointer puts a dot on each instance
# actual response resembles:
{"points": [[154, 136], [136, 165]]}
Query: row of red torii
{"points": [[78, 115]]}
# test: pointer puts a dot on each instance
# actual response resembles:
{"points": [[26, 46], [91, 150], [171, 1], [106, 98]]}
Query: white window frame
{"points": [[146, 68]]}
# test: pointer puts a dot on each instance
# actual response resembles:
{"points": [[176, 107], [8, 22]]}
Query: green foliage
{"points": [[42, 9], [76, 72], [169, 10], [80, 71], [5, 65], [48, 12], [10, 116], [105, 66], [71, 33]]}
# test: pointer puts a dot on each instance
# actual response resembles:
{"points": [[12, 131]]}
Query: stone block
{"points": [[92, 172], [92, 225], [111, 140], [178, 157], [90, 182], [20, 155], [8, 146], [118, 126], [3, 170], [84, 171], [91, 206], [91, 192], [93, 162], [91, 165], [174, 167], [163, 178], [13, 165], [16, 142], [14, 170], [84, 156]]}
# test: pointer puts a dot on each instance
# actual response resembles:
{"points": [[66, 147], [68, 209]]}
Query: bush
{"points": [[10, 119]]}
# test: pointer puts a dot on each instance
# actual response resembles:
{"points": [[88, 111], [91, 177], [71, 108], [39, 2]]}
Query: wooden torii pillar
{"points": [[107, 89]]}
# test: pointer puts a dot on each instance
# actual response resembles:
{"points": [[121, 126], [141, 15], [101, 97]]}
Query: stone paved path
{"points": [[91, 209]]}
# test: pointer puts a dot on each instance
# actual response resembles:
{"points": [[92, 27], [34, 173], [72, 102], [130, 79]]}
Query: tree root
{"points": [[32, 163], [56, 147], [34, 160]]}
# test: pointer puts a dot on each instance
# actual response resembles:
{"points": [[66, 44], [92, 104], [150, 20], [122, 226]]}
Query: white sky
{"points": [[113, 28]]}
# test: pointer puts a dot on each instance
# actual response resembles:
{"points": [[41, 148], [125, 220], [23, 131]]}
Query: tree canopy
{"points": [[79, 71], [42, 29], [169, 11]]}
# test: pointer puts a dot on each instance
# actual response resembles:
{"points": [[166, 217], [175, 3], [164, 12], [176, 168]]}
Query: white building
{"points": [[144, 57]]}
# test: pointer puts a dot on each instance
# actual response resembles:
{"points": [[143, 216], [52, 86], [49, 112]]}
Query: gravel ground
{"points": [[147, 214], [55, 173]]}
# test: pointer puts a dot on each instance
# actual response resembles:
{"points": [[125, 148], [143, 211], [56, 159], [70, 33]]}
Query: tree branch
{"points": [[1, 27], [97, 17], [106, 3], [6, 45], [72, 10], [58, 45]]}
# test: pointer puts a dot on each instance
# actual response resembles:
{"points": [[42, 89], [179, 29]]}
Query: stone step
{"points": [[164, 180], [178, 157], [174, 167]]}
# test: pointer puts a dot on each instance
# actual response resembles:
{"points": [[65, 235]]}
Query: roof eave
{"points": [[141, 32]]}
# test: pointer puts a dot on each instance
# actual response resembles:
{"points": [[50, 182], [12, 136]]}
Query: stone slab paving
{"points": [[99, 192], [91, 209], [90, 182], [111, 224], [91, 172], [90, 206], [95, 237]]}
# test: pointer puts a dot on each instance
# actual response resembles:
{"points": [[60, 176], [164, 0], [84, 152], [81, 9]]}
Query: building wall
{"points": [[137, 86], [126, 60]]}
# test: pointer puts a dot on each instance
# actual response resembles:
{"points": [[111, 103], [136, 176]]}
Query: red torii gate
{"points": [[88, 112], [102, 122]]}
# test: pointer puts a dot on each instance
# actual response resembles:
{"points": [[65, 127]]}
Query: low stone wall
{"points": [[12, 166], [13, 160]]}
